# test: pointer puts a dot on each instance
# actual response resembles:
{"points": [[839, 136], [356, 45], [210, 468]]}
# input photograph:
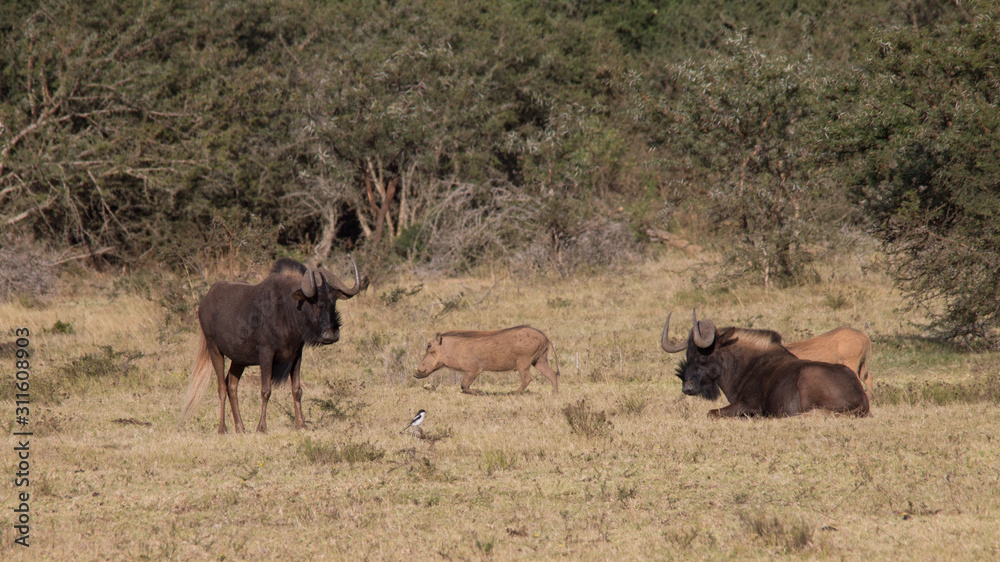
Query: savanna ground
{"points": [[618, 465]]}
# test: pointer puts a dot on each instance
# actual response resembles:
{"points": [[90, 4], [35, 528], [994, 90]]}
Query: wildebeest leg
{"points": [[731, 411], [467, 379], [233, 384], [266, 359], [543, 365], [300, 421], [219, 364]]}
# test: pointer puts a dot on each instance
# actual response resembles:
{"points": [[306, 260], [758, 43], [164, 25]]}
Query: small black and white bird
{"points": [[417, 420]]}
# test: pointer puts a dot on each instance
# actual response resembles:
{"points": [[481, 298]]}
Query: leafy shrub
{"points": [[740, 119], [917, 135]]}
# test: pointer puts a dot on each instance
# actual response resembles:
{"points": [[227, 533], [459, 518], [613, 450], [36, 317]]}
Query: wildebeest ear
{"points": [[298, 295]]}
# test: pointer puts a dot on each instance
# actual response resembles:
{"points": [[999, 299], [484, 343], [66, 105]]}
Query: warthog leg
{"points": [[467, 379], [233, 385], [525, 372], [543, 365]]}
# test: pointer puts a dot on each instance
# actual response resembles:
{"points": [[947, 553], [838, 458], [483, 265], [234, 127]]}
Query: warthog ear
{"points": [[439, 338]]}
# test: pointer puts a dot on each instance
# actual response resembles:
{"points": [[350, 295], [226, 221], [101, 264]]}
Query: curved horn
{"points": [[703, 332], [309, 283], [665, 339], [339, 286]]}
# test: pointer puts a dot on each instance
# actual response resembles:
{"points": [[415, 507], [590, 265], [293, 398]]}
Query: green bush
{"points": [[739, 120], [917, 130]]}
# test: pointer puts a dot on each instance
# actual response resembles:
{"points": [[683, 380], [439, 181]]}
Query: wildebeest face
{"points": [[432, 359], [699, 373], [320, 314]]}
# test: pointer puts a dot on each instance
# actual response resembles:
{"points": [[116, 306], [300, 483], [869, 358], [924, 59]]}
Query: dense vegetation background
{"points": [[546, 135]]}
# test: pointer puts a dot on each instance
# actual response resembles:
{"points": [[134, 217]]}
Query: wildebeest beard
{"points": [[312, 339], [708, 390]]}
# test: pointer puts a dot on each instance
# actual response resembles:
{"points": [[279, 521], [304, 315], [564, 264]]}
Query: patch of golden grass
{"points": [[502, 475]]}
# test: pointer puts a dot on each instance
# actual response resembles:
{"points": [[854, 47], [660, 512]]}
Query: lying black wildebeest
{"points": [[265, 324], [473, 352], [760, 377]]}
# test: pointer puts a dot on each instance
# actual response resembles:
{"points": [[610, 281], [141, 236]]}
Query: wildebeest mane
{"points": [[281, 370], [758, 339], [287, 265]]}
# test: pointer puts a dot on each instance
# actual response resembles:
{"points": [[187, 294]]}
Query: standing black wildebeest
{"points": [[265, 324], [759, 376]]}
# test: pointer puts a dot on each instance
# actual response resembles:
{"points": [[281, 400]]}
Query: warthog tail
{"points": [[201, 378]]}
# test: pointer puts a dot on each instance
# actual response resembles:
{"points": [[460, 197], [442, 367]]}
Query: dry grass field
{"points": [[619, 465]]}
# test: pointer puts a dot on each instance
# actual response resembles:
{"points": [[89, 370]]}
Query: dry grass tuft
{"points": [[324, 453], [586, 421], [788, 536]]}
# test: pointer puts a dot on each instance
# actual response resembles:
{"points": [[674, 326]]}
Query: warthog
{"points": [[473, 352], [843, 345], [759, 376], [265, 324]]}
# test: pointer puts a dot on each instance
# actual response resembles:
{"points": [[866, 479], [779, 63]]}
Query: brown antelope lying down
{"points": [[473, 352], [843, 345], [759, 376]]}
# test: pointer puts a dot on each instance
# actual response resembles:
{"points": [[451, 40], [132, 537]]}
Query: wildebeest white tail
{"points": [[201, 378]]}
